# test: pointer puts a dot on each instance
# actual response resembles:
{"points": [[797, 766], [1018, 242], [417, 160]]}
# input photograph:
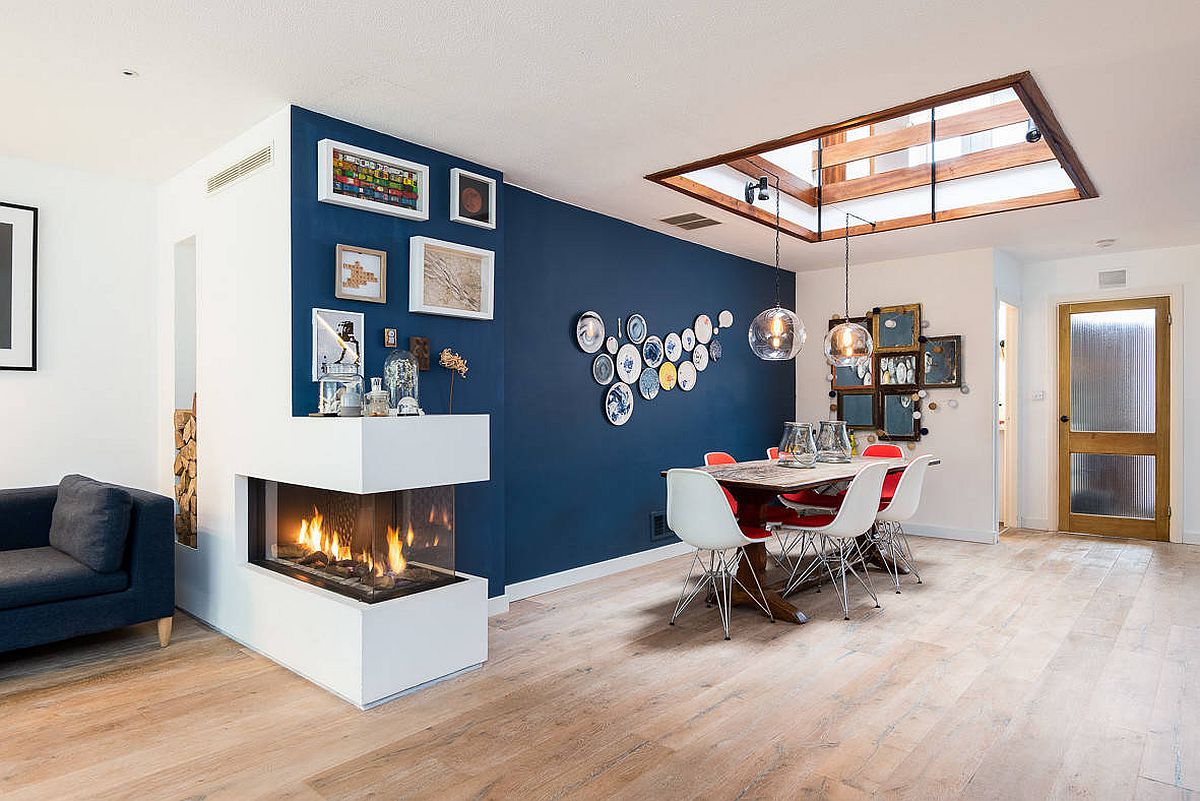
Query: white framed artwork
{"points": [[364, 179], [18, 287], [450, 279], [472, 198], [337, 339]]}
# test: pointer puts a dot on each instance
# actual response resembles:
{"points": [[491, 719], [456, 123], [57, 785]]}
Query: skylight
{"points": [[983, 149]]}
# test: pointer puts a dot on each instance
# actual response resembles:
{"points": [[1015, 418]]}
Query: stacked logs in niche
{"points": [[185, 473]]}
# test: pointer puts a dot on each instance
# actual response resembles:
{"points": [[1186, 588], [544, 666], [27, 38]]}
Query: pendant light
{"points": [[848, 344], [776, 334]]}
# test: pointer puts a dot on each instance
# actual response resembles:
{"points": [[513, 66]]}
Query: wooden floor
{"points": [[1046, 667]]}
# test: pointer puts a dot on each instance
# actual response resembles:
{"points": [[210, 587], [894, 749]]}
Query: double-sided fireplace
{"points": [[368, 547]]}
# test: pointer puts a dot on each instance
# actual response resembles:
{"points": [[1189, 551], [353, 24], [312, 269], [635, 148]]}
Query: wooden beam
{"points": [[736, 206], [789, 183], [984, 161], [1052, 133], [968, 122]]}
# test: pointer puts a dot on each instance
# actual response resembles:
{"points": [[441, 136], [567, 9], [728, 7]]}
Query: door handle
{"points": [[1064, 419]]}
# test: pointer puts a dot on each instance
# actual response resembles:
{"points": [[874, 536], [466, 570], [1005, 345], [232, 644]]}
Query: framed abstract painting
{"points": [[450, 279], [18, 287], [472, 198], [363, 179]]}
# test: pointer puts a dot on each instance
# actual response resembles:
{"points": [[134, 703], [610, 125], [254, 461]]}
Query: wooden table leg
{"points": [[755, 565]]}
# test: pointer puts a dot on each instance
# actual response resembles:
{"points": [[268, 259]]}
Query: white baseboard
{"points": [[497, 605], [1191, 538], [946, 533], [576, 575], [1035, 523]]}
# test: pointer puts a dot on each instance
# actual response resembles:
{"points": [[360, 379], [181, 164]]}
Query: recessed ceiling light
{"points": [[1105, 243], [130, 73]]}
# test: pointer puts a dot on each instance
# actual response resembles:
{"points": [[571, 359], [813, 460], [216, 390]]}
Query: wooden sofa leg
{"points": [[164, 630]]}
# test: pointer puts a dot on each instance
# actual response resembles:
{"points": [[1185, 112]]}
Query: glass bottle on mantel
{"points": [[833, 442], [340, 384], [401, 378], [797, 448]]}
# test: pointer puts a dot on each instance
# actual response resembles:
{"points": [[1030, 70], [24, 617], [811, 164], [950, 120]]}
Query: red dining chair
{"points": [[807, 497], [774, 518]]}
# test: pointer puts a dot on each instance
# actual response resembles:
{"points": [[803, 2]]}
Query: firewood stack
{"points": [[185, 472]]}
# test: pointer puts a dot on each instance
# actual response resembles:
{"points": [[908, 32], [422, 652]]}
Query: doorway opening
{"points": [[184, 421], [1006, 416]]}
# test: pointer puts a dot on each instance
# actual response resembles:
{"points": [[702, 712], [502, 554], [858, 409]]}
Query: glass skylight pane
{"points": [[877, 208], [1017, 182], [798, 159]]}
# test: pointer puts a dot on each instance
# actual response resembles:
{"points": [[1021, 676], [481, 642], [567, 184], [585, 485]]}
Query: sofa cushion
{"points": [[91, 522], [31, 576]]}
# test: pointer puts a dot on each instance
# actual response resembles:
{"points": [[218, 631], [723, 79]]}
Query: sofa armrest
{"points": [[25, 517], [150, 552]]}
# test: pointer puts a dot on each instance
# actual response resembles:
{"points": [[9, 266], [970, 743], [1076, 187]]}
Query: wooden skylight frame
{"points": [[835, 152]]}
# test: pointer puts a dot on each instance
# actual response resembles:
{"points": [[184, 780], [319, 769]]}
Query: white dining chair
{"points": [[840, 536], [889, 530], [699, 514]]}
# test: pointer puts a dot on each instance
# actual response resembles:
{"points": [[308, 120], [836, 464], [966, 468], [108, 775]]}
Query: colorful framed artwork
{"points": [[337, 339], [942, 358], [472, 198], [18, 287], [363, 179], [897, 328], [897, 369], [361, 274], [452, 280], [895, 414], [857, 409]]}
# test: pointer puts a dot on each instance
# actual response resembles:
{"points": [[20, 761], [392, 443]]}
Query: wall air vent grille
{"points": [[690, 222], [235, 172], [658, 528], [1112, 279]]}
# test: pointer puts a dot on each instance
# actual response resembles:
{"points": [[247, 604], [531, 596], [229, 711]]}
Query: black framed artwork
{"points": [[857, 409], [18, 287], [942, 357], [895, 412]]}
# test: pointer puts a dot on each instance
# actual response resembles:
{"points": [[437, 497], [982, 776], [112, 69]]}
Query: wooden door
{"points": [[1114, 418]]}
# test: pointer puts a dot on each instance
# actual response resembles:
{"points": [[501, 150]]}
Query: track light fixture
{"points": [[1032, 134]]}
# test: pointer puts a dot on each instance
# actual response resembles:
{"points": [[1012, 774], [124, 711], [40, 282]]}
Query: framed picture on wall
{"points": [[361, 274], [450, 279], [18, 287], [472, 198], [337, 339], [363, 179], [895, 413], [943, 361], [897, 369], [857, 409], [897, 328]]}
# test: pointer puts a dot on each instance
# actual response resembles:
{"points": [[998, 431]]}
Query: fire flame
{"points": [[396, 561], [315, 538]]}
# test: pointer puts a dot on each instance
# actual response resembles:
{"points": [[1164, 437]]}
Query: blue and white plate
{"points": [[635, 326], [714, 350], [687, 376], [603, 369], [652, 351], [700, 357], [688, 338], [589, 332], [629, 363], [673, 347], [618, 404], [648, 384]]}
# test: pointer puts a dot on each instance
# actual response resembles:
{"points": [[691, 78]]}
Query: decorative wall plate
{"points": [[629, 363], [603, 369], [652, 352], [703, 327], [714, 350], [618, 404], [673, 347], [648, 383], [688, 338], [589, 332], [635, 326], [611, 345], [725, 319], [700, 357], [687, 376], [667, 376]]}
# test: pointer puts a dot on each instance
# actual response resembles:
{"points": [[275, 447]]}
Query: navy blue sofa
{"points": [[47, 595]]}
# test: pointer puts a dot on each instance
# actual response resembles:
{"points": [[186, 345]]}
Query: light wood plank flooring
{"points": [[1046, 667]]}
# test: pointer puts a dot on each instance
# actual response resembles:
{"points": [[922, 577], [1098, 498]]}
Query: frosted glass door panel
{"points": [[1112, 484], [1112, 371]]}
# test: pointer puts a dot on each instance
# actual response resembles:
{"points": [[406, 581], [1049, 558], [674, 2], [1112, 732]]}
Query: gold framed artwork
{"points": [[361, 274], [897, 328]]}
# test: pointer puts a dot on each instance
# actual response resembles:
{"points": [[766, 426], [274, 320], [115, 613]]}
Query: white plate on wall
{"points": [[629, 363], [725, 318], [635, 327], [688, 338], [649, 384], [589, 332], [618, 404], [611, 345], [652, 351], [703, 328], [603, 369], [673, 347], [687, 376], [700, 357]]}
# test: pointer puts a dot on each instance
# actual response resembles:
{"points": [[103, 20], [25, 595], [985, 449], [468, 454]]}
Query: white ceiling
{"points": [[579, 100]]}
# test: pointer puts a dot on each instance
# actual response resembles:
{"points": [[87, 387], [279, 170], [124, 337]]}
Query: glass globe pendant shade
{"points": [[847, 344], [777, 334]]}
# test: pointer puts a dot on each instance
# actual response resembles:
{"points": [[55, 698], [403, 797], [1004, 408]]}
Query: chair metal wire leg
{"points": [[837, 579], [909, 561], [685, 597], [865, 578], [762, 604]]}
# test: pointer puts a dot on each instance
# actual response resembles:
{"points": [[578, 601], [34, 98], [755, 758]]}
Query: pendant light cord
{"points": [[777, 304], [847, 267]]}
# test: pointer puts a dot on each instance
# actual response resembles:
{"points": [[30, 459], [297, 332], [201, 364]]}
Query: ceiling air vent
{"points": [[1112, 279], [236, 172], [689, 222]]}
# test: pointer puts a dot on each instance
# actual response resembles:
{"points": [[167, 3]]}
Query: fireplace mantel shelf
{"points": [[373, 454]]}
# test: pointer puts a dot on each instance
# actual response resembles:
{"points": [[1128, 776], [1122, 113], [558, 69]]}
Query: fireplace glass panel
{"points": [[368, 547]]}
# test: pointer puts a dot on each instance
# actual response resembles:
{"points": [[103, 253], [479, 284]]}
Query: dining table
{"points": [[756, 484]]}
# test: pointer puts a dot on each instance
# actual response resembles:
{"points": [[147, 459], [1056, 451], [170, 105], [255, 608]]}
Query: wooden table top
{"points": [[765, 474]]}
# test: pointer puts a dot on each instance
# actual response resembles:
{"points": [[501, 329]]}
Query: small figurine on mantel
{"points": [[455, 364]]}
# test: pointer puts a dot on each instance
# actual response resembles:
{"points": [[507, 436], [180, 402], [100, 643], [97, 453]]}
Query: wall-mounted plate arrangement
{"points": [[668, 377], [687, 376], [725, 319], [715, 350], [652, 352], [688, 338], [703, 328], [648, 384], [611, 345], [589, 332], [603, 369], [673, 347], [629, 363], [635, 327], [700, 357], [618, 404]]}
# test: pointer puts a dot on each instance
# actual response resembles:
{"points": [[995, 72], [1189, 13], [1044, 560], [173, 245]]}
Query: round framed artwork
{"points": [[635, 326], [688, 338], [629, 363], [667, 376], [618, 404], [673, 347], [648, 383], [703, 328], [652, 352], [700, 357], [589, 332], [603, 369], [687, 376]]}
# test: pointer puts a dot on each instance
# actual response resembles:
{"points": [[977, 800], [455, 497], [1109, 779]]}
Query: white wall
{"points": [[958, 296], [1172, 271], [91, 405]]}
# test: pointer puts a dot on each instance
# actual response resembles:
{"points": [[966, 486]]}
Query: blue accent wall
{"points": [[579, 489], [317, 228]]}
